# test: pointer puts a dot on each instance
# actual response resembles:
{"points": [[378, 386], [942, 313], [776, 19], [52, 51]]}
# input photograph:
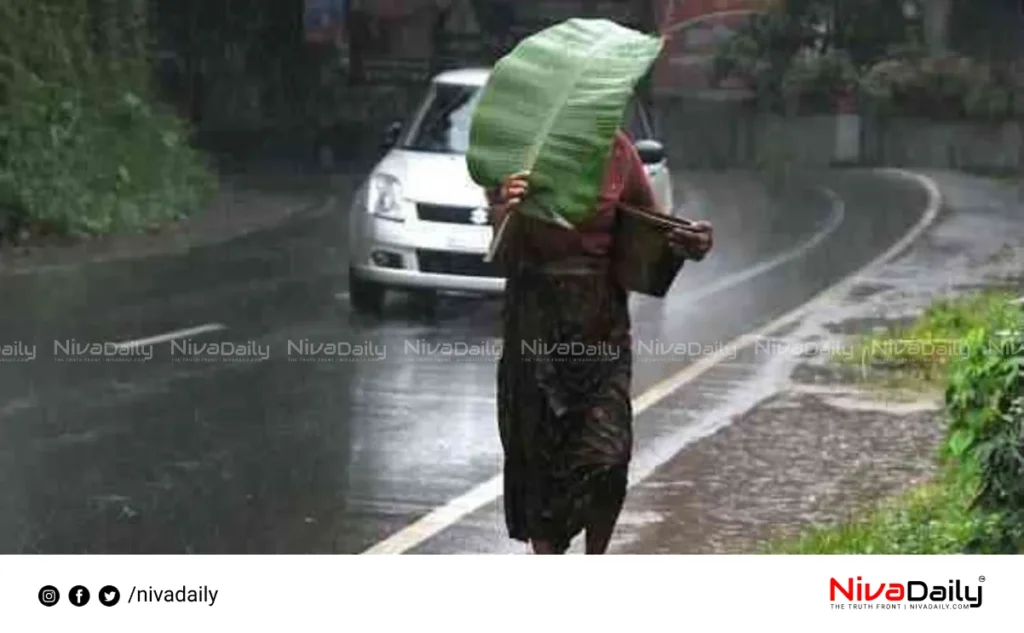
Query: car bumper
{"points": [[415, 279], [423, 255]]}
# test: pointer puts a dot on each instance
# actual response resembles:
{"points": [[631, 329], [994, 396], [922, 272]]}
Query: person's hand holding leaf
{"points": [[509, 196], [694, 241]]}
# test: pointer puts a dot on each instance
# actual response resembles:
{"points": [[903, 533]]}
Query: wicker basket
{"points": [[645, 261]]}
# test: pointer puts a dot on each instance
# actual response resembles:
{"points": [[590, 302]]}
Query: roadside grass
{"points": [[958, 347], [917, 357], [933, 518]]}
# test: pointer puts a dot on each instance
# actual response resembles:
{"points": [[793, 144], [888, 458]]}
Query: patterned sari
{"points": [[564, 408]]}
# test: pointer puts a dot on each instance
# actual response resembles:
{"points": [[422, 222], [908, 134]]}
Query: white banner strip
{"points": [[514, 593]]}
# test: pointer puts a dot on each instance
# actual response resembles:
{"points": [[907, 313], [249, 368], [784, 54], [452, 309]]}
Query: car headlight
{"points": [[384, 197]]}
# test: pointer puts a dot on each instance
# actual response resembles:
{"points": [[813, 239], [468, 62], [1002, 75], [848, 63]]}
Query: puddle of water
{"points": [[865, 290], [891, 407], [876, 324]]}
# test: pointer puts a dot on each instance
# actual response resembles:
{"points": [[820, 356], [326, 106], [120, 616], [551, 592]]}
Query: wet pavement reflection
{"points": [[301, 450]]}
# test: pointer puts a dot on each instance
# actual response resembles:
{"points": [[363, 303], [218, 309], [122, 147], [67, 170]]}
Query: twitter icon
{"points": [[109, 596]]}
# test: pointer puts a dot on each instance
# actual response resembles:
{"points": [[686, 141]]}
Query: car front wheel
{"points": [[365, 296]]}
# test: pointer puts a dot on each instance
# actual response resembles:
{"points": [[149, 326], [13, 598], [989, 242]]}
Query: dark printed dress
{"points": [[564, 409]]}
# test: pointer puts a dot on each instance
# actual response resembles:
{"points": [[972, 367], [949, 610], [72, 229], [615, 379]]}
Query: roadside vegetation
{"points": [[85, 147], [971, 348], [919, 355], [820, 56]]}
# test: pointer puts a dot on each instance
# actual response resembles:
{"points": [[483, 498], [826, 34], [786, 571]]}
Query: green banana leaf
{"points": [[552, 107]]}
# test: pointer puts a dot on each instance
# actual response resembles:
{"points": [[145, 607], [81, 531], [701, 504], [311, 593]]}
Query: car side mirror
{"points": [[651, 152], [391, 134]]}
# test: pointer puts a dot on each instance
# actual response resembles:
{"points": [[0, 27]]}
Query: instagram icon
{"points": [[49, 596]]}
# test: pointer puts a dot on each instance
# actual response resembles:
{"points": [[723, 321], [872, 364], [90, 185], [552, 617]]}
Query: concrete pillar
{"points": [[848, 136], [936, 25]]}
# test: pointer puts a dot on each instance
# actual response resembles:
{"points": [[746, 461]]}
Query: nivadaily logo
{"points": [[913, 594]]}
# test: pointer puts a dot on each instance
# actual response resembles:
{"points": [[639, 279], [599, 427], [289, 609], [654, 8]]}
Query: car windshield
{"points": [[442, 124]]}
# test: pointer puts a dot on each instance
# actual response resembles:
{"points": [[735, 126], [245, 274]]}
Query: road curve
{"points": [[303, 455]]}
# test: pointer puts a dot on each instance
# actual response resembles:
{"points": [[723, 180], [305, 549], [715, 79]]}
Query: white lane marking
{"points": [[341, 295], [171, 336], [447, 515], [689, 373], [835, 220]]}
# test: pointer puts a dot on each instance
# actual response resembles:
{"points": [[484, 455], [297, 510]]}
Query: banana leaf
{"points": [[552, 107]]}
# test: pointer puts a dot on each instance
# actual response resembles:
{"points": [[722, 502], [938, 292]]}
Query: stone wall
{"points": [[975, 146], [716, 135]]}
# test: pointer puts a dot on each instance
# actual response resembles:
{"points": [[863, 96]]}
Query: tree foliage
{"points": [[815, 52], [84, 149]]}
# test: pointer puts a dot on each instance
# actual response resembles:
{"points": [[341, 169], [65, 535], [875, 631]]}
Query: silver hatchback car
{"points": [[419, 222]]}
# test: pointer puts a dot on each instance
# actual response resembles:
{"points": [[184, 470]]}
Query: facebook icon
{"points": [[79, 596]]}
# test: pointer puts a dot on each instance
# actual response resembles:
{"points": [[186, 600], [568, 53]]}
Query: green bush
{"points": [[758, 56], [951, 87], [985, 410], [886, 82], [83, 148], [815, 83], [796, 67]]}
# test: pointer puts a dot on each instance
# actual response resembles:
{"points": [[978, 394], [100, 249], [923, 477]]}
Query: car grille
{"points": [[447, 263], [440, 213]]}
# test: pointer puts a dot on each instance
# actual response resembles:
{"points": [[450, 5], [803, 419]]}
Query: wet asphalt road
{"points": [[279, 453]]}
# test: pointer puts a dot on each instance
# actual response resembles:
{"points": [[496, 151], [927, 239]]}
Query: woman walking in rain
{"points": [[564, 408]]}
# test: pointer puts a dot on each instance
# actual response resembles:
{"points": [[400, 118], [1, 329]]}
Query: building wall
{"points": [[385, 71], [695, 28]]}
